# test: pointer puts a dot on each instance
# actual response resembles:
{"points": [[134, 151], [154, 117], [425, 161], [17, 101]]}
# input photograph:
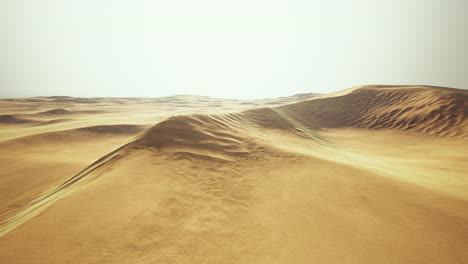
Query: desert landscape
{"points": [[370, 174]]}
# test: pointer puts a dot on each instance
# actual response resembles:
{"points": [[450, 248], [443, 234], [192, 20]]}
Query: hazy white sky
{"points": [[238, 48]]}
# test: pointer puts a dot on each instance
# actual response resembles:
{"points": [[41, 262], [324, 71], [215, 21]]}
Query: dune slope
{"points": [[426, 110]]}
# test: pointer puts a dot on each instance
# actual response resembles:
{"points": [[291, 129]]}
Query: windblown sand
{"points": [[372, 174]]}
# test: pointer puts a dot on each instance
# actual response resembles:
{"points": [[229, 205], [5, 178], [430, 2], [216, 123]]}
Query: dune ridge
{"points": [[39, 204]]}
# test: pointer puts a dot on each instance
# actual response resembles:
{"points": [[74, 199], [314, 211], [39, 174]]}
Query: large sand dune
{"points": [[372, 174]]}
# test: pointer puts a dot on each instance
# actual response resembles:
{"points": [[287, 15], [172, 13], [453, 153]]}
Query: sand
{"points": [[372, 174]]}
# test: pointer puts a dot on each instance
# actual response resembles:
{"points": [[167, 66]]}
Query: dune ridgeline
{"points": [[371, 174]]}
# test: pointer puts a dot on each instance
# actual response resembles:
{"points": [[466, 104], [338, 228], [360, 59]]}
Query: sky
{"points": [[242, 49]]}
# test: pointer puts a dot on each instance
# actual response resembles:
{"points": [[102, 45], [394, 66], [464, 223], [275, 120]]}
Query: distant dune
{"points": [[371, 174], [12, 119], [58, 111]]}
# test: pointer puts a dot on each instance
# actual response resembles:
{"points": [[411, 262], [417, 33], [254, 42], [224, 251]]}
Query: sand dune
{"points": [[370, 174], [57, 111], [423, 109], [12, 119]]}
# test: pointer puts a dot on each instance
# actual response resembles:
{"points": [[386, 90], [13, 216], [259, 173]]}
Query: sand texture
{"points": [[371, 174]]}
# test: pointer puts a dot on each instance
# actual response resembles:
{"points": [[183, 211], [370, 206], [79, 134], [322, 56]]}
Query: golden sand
{"points": [[373, 174]]}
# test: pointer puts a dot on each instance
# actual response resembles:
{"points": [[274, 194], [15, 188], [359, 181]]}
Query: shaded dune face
{"points": [[424, 110], [113, 129], [12, 119], [204, 135], [57, 111]]}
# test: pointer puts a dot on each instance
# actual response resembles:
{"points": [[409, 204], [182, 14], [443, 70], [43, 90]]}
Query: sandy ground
{"points": [[372, 174]]}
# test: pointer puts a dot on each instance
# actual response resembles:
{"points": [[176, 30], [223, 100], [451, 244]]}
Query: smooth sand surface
{"points": [[372, 174]]}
